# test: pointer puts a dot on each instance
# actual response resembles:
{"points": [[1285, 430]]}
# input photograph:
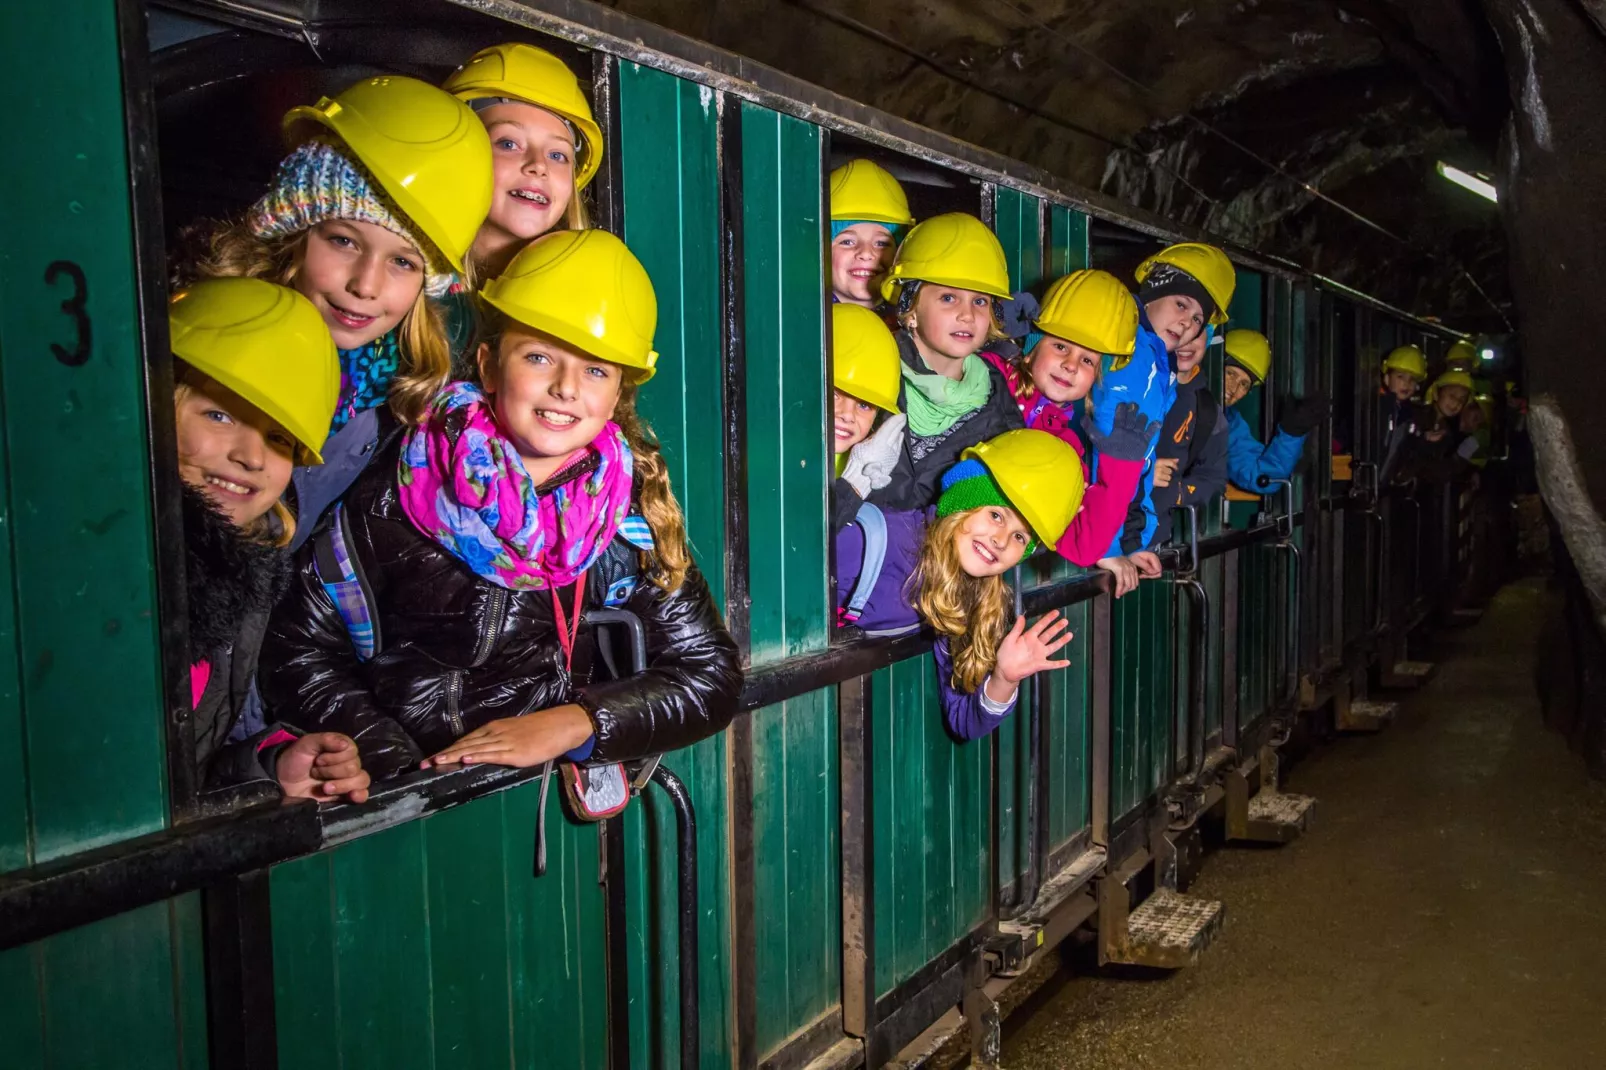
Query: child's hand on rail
{"points": [[522, 742]]}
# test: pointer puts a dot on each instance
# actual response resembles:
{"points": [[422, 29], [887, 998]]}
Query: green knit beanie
{"points": [[968, 485]]}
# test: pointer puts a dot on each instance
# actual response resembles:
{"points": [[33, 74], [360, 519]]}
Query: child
{"points": [[1403, 371], [1085, 318], [1248, 462], [479, 540], [1180, 290], [546, 147], [868, 210], [256, 382], [1190, 466], [368, 217], [865, 375], [1461, 357], [946, 276], [946, 565]]}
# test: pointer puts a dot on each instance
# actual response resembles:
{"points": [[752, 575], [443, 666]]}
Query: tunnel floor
{"points": [[1447, 907]]}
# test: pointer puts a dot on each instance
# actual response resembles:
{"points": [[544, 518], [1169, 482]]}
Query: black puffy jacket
{"points": [[456, 651]]}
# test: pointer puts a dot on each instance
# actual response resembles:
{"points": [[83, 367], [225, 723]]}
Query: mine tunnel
{"points": [[788, 534]]}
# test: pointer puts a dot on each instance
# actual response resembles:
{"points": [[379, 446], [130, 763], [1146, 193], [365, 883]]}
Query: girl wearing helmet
{"points": [[256, 378], [546, 147], [944, 282], [477, 541], [1249, 463], [1083, 319], [369, 217], [868, 212]]}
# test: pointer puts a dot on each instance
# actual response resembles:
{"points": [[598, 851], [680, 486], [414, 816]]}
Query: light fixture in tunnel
{"points": [[1487, 354], [1477, 184]]}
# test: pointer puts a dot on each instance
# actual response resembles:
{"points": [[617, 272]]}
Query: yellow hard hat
{"points": [[955, 250], [1041, 475], [1406, 359], [535, 76], [1205, 263], [863, 189], [1092, 309], [1251, 350], [268, 344], [1462, 353], [1453, 377], [864, 356], [584, 288], [424, 147]]}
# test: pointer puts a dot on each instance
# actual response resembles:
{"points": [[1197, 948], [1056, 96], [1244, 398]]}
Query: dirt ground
{"points": [[1447, 908]]}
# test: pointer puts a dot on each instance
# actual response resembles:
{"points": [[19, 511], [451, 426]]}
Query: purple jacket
{"points": [[967, 716], [889, 609]]}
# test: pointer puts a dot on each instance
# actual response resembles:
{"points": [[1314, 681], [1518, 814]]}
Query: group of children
{"points": [[412, 461], [1444, 434], [972, 425]]}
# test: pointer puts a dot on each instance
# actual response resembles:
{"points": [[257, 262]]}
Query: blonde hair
{"points": [[231, 249], [277, 531], [909, 295], [972, 612], [670, 558]]}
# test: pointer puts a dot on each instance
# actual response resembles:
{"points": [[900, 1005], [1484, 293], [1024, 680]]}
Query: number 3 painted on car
{"points": [[74, 306]]}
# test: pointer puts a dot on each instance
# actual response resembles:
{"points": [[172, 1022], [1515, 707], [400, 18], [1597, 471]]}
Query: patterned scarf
{"points": [[463, 484], [365, 376]]}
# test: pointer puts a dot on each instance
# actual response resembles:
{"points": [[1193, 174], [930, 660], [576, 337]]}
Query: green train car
{"points": [[858, 881]]}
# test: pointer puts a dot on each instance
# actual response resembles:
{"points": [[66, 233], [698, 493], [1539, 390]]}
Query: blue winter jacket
{"points": [[1248, 461], [1150, 380]]}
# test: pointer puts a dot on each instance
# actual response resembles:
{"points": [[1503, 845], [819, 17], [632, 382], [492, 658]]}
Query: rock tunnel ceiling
{"points": [[1221, 113]]}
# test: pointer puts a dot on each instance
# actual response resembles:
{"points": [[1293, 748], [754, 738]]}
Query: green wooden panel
{"points": [[86, 608], [1067, 241], [1068, 733], [431, 944], [1125, 697], [788, 460], [930, 813], [797, 897], [1018, 222], [125, 992], [669, 145]]}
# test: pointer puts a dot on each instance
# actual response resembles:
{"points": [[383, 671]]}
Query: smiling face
{"points": [[1189, 354], [362, 278], [230, 450], [550, 399], [853, 421], [949, 325], [990, 541], [1063, 371], [860, 257], [1237, 383], [1176, 318], [533, 153], [1402, 384], [1450, 400]]}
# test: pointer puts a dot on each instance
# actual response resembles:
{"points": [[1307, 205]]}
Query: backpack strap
{"points": [[1206, 426], [343, 580], [874, 525]]}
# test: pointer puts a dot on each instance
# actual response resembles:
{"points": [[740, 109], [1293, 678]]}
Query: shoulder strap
{"points": [[1205, 427], [341, 575], [874, 525]]}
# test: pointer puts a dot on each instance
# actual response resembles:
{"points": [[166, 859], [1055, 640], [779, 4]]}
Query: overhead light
{"points": [[1479, 185], [1487, 354]]}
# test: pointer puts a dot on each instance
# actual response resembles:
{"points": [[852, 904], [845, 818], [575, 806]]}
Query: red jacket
{"points": [[1104, 505]]}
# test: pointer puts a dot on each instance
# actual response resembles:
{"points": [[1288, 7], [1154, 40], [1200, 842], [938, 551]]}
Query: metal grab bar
{"points": [[1198, 655], [1285, 528], [686, 936]]}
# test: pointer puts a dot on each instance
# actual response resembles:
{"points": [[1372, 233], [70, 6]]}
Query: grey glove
{"points": [[871, 462], [1129, 436], [1017, 313]]}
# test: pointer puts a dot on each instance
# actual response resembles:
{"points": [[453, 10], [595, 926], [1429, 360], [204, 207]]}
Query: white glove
{"points": [[871, 462]]}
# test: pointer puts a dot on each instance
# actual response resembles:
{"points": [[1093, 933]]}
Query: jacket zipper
{"points": [[482, 651]]}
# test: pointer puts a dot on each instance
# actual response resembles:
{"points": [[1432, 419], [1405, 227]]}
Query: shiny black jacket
{"points": [[456, 651]]}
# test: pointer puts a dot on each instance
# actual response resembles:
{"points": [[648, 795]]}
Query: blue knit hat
{"points": [[839, 225], [318, 182]]}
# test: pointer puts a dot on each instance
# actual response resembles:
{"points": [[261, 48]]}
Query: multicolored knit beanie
{"points": [[318, 182], [969, 485]]}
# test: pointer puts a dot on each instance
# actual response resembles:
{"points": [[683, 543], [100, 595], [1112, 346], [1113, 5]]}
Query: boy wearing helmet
{"points": [[868, 211], [1249, 462], [1403, 371], [257, 377]]}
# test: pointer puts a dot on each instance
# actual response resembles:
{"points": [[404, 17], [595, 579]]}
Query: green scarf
{"points": [[935, 402]]}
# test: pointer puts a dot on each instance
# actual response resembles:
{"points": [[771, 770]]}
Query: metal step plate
{"points": [[1364, 715], [1409, 674], [1278, 816], [1170, 930]]}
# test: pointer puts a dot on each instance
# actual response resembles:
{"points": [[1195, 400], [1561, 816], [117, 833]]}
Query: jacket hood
{"points": [[227, 575]]}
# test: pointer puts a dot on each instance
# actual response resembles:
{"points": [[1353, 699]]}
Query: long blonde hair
{"points": [[670, 557], [277, 526], [973, 613], [232, 250]]}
